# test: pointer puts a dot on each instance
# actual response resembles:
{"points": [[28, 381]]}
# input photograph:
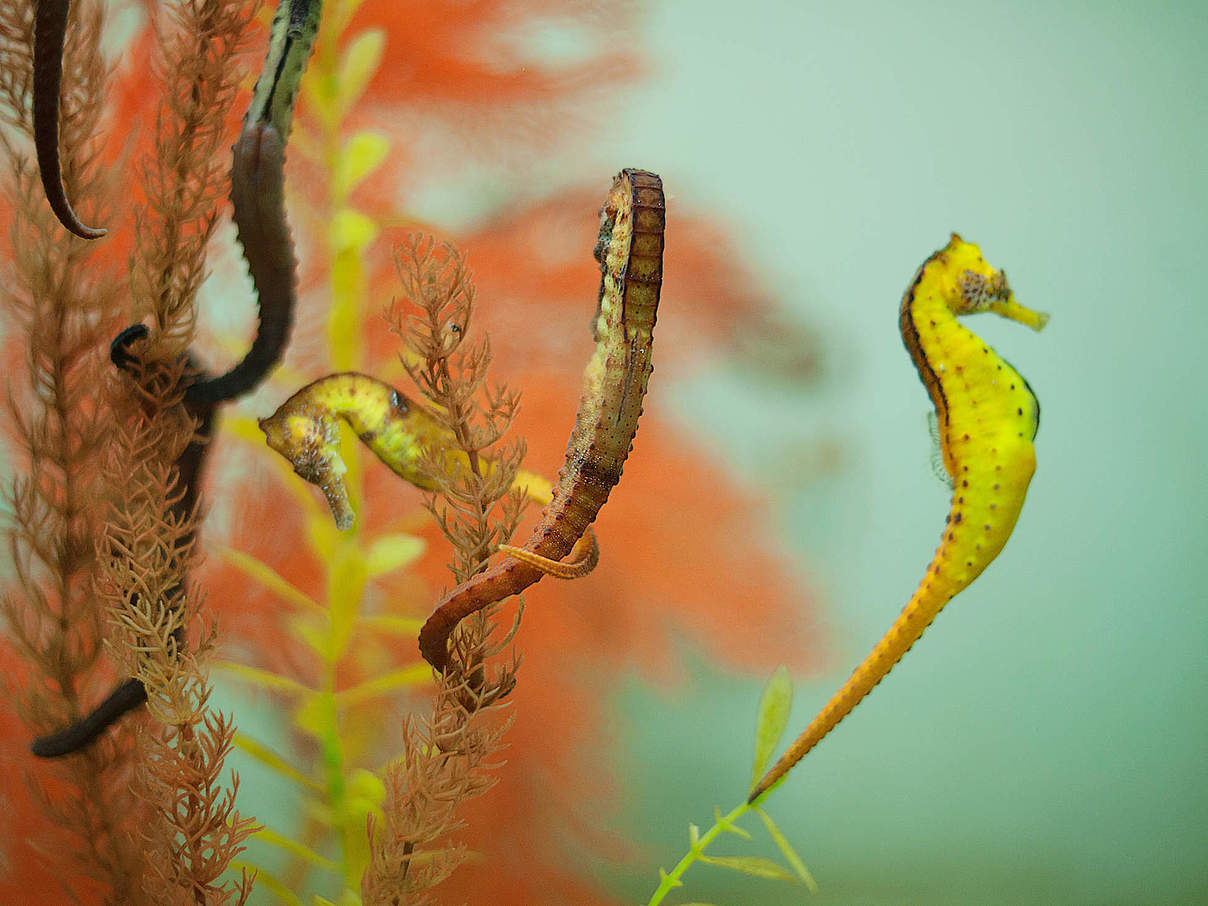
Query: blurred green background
{"points": [[1047, 740]]}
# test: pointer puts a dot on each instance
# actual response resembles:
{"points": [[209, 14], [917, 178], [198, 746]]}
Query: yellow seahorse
{"points": [[987, 418]]}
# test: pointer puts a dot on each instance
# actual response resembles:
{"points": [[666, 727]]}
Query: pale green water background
{"points": [[1046, 742]]}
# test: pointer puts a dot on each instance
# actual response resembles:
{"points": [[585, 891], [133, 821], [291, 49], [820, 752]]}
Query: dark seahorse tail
{"points": [[258, 198], [130, 693], [50, 33]]}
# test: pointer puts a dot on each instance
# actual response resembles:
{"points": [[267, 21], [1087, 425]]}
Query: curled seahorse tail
{"points": [[50, 33], [582, 559], [128, 695], [258, 199], [488, 587]]}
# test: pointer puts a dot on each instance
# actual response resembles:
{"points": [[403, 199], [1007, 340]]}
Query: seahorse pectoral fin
{"points": [[582, 559]]}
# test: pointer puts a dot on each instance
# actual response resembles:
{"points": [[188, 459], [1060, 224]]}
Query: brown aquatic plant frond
{"points": [[57, 299], [447, 759], [147, 550], [187, 177]]}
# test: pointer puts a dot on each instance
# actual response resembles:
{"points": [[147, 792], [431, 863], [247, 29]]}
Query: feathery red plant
{"points": [[681, 542]]}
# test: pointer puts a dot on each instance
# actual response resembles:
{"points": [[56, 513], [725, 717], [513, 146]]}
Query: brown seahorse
{"points": [[630, 252]]}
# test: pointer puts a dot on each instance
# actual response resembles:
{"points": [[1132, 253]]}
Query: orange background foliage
{"points": [[686, 553]]}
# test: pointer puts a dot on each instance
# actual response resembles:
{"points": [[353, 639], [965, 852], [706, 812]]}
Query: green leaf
{"points": [[363, 154], [270, 579], [391, 552], [314, 637], [729, 826], [404, 678], [264, 679], [268, 757], [364, 795], [665, 878], [756, 866], [786, 848], [350, 230], [301, 850], [361, 60], [316, 717], [773, 716]]}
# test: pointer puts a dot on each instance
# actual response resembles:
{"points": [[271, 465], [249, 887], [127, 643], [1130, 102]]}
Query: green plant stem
{"points": [[671, 880]]}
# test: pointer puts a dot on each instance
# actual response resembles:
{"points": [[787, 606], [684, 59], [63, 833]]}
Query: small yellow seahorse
{"points": [[305, 430], [987, 418]]}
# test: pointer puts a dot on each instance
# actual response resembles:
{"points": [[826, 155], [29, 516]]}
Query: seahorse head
{"points": [[313, 448], [979, 287]]}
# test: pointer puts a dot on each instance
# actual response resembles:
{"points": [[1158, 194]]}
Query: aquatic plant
{"points": [[323, 622]]}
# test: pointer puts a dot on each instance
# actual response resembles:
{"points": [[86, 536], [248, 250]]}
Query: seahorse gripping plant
{"points": [[630, 253], [987, 417]]}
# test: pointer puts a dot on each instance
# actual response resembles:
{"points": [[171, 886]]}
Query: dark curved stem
{"points": [[50, 34]]}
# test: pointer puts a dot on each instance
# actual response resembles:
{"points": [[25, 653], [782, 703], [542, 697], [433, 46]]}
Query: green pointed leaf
{"points": [[264, 679], [271, 759], [729, 826], [405, 678], [363, 154], [270, 579], [360, 61], [316, 717], [664, 878], [787, 850], [391, 552], [756, 866], [314, 637], [301, 850], [775, 704]]}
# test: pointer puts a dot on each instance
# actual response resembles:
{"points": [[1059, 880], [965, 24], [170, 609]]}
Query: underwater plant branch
{"points": [[447, 759], [184, 180], [698, 843], [147, 549], [56, 294]]}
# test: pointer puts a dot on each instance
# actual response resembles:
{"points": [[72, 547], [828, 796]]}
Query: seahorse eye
{"points": [[974, 292]]}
